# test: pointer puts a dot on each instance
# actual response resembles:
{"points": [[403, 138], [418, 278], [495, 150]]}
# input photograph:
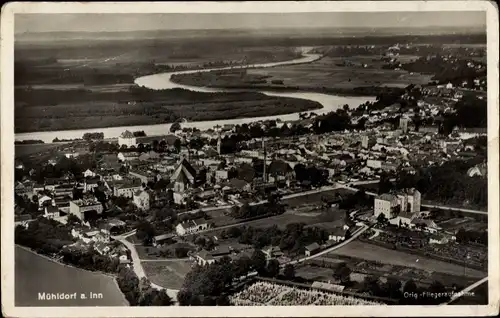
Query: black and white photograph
{"points": [[226, 154]]}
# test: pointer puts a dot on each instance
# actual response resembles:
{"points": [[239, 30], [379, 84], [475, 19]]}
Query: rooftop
{"points": [[86, 202], [127, 134]]}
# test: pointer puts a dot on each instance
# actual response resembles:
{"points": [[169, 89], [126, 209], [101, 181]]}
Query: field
{"points": [[30, 149], [328, 73], [35, 274], [151, 252], [263, 293], [167, 274], [315, 197], [372, 252]]}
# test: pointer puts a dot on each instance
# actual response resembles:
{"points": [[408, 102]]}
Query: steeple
{"points": [[264, 174], [219, 144]]}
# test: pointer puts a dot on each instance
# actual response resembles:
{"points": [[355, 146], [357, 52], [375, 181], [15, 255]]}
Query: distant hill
{"points": [[37, 37]]}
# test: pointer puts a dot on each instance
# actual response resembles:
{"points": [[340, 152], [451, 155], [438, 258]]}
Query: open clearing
{"points": [[167, 274], [29, 149], [326, 73], [376, 253]]}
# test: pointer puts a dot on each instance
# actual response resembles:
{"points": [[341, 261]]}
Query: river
{"points": [[163, 81], [36, 275]]}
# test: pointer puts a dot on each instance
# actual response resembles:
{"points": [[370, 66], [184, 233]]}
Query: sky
{"points": [[112, 22]]}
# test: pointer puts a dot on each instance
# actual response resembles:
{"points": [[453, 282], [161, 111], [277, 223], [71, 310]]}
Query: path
{"points": [[442, 207], [466, 290], [285, 197], [165, 260], [328, 250], [377, 232], [137, 266]]}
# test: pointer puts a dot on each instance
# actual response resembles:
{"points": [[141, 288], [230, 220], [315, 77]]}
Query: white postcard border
{"points": [[7, 157]]}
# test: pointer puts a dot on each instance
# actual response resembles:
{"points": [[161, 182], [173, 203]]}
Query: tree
{"points": [[273, 268], [242, 266], [259, 261], [175, 127], [343, 273], [184, 297], [371, 285], [382, 219], [392, 288], [289, 272], [73, 219], [177, 145], [410, 287], [246, 172]]}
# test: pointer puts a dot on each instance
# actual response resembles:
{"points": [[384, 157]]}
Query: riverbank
{"points": [[35, 273], [138, 114], [158, 107]]}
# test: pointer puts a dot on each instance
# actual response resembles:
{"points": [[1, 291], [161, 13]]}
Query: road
{"points": [[328, 250], [430, 206], [288, 196], [466, 290], [165, 260], [138, 269]]}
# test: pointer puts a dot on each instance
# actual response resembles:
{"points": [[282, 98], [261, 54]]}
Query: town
{"points": [[360, 205]]}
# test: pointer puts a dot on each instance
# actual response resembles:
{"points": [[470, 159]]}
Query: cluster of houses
{"points": [[99, 240]]}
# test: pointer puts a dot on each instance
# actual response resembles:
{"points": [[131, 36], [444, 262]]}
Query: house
{"points": [[221, 175], [239, 185], [426, 224], [149, 156], [44, 201], [38, 188], [281, 170], [51, 212], [374, 164], [480, 170], [204, 258], [272, 252], [24, 189], [142, 199], [403, 219], [312, 249], [112, 226], [128, 156], [191, 226], [127, 139], [338, 234], [91, 183], [438, 239], [163, 239], [102, 248], [89, 173], [85, 208], [144, 175], [126, 187]]}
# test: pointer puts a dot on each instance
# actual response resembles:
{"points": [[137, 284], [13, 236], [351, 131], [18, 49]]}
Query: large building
{"points": [[191, 226], [183, 177], [406, 202], [128, 139], [403, 124], [386, 204], [142, 200], [84, 207]]}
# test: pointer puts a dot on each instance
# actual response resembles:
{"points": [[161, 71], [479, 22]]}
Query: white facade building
{"points": [[127, 138]]}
